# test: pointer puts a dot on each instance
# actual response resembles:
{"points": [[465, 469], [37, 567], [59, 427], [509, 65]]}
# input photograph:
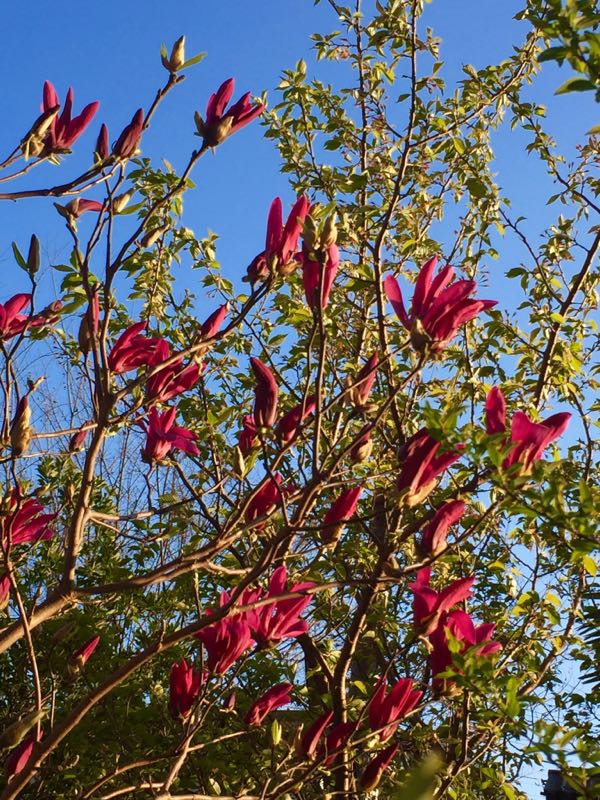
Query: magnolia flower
{"points": [[211, 324], [12, 322], [221, 122], [225, 640], [19, 757], [25, 522], [433, 540], [272, 623], [133, 350], [461, 627], [184, 688], [376, 767], [363, 446], [310, 740], [64, 130], [528, 439], [265, 395], [386, 711], [172, 381], [341, 511], [247, 435], [429, 605], [317, 295], [127, 144], [290, 422], [162, 436], [79, 658], [265, 498], [281, 243], [102, 149], [361, 388], [337, 739], [421, 466], [77, 207], [438, 310], [5, 586], [276, 696]]}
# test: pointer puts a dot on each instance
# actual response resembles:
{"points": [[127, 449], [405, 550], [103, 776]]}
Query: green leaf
{"points": [[575, 85], [193, 60], [18, 257], [421, 781]]}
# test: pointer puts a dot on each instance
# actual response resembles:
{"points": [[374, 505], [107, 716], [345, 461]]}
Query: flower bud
{"points": [[153, 236], [177, 58], [120, 202], [16, 732], [76, 441], [275, 733], [309, 233], [20, 431], [329, 232], [33, 256]]}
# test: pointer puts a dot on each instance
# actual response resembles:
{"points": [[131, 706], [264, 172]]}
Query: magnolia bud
{"points": [[309, 233], [16, 732], [275, 732], [32, 143], [153, 236], [33, 256], [20, 431], [220, 132], [120, 202], [177, 58], [329, 232]]}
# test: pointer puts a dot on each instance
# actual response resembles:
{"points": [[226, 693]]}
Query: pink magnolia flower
{"points": [[77, 441], [276, 697], [247, 435], [221, 122], [281, 242], [162, 436], [5, 586], [433, 540], [290, 422], [376, 767], [12, 322], [281, 619], [102, 150], [337, 739], [25, 522], [172, 381], [311, 277], [341, 511], [386, 710], [265, 498], [80, 657], [133, 350], [64, 130], [361, 388], [212, 324], [129, 138], [19, 757], [429, 605], [184, 688], [421, 466], [438, 310], [265, 394], [529, 439], [462, 628], [225, 640], [312, 737], [77, 207]]}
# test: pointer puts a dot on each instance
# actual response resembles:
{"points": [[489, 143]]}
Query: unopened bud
{"points": [[153, 236], [177, 59], [120, 202], [230, 701], [275, 732], [309, 233], [329, 232], [239, 464], [33, 256], [76, 441], [16, 732], [20, 431]]}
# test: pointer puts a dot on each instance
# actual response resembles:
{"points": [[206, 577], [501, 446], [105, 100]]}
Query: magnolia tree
{"points": [[335, 540]]}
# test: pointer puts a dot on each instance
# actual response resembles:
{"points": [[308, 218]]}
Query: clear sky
{"points": [[110, 51]]}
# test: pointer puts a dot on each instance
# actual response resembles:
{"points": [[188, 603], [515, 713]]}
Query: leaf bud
{"points": [[177, 58], [329, 232], [33, 256]]}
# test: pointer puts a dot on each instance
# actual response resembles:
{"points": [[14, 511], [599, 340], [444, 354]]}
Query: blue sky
{"points": [[110, 51]]}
